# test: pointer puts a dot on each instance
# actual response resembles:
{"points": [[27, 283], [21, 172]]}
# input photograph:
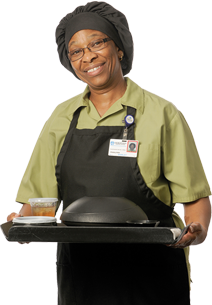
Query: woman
{"points": [[132, 147], [95, 44]]}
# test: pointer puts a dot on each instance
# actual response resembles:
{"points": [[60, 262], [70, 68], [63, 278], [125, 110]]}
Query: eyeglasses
{"points": [[93, 46]]}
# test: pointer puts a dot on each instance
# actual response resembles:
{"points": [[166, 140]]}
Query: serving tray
{"points": [[91, 234]]}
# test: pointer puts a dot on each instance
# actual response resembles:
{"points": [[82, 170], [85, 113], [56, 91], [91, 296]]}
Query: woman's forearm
{"points": [[26, 210], [198, 212]]}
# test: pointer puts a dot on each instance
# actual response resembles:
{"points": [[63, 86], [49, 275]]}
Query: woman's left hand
{"points": [[198, 214], [196, 234]]}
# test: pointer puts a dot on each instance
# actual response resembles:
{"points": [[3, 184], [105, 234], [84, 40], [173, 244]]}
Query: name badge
{"points": [[123, 148]]}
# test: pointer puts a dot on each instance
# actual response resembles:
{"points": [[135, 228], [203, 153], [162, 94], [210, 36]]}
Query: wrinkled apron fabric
{"points": [[114, 274]]}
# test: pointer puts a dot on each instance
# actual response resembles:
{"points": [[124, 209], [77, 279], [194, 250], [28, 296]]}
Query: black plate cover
{"points": [[102, 210]]}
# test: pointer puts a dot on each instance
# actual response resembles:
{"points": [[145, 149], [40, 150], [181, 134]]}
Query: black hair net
{"points": [[99, 16]]}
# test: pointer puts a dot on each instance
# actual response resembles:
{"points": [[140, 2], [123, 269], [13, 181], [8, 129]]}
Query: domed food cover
{"points": [[102, 210]]}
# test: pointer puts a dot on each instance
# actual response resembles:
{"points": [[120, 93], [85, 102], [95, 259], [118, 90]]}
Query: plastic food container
{"points": [[43, 206]]}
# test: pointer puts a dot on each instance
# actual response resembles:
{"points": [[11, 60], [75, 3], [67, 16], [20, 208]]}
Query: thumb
{"points": [[194, 227], [191, 229]]}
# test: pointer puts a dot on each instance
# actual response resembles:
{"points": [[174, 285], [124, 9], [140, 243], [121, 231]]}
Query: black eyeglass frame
{"points": [[104, 40]]}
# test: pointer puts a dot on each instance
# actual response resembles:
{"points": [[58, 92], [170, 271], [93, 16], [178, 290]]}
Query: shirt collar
{"points": [[81, 100], [132, 97]]}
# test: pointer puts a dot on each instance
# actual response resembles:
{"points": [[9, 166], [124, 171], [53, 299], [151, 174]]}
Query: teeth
{"points": [[94, 69]]}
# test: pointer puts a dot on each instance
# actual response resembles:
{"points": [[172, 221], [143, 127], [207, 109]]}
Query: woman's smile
{"points": [[94, 70], [98, 69]]}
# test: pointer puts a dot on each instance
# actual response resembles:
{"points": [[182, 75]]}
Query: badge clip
{"points": [[129, 120], [125, 134]]}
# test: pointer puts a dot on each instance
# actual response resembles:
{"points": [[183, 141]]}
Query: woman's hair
{"points": [[132, 144], [98, 16]]}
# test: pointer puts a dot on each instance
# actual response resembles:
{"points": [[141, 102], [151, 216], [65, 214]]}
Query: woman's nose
{"points": [[88, 55]]}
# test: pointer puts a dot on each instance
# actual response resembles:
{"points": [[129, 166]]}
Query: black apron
{"points": [[114, 274]]}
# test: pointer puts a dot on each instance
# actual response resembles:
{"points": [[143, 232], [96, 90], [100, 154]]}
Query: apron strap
{"points": [[130, 135], [164, 211], [75, 118], [65, 145]]}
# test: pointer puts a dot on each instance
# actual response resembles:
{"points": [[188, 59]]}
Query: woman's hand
{"points": [[195, 235], [198, 213], [25, 211], [12, 216]]}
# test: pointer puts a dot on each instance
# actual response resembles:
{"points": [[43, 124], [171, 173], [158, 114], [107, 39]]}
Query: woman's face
{"points": [[105, 60]]}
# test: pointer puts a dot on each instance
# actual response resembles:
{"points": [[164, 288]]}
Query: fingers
{"points": [[196, 235], [12, 216], [194, 230], [187, 239], [181, 245]]}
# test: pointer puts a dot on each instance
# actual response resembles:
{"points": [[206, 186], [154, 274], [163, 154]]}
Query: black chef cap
{"points": [[98, 16]]}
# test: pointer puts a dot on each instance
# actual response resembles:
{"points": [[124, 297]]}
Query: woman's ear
{"points": [[120, 54]]}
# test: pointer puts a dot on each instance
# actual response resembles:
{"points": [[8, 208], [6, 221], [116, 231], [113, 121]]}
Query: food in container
{"points": [[43, 206]]}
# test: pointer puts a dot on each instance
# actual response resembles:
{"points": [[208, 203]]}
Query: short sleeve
{"points": [[39, 179], [181, 163]]}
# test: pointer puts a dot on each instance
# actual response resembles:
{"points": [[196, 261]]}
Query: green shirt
{"points": [[167, 155]]}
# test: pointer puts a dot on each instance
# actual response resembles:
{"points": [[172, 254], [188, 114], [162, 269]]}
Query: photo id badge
{"points": [[123, 148]]}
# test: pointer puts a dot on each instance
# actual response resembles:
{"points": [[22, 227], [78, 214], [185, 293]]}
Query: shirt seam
{"points": [[168, 127], [22, 201], [192, 197]]}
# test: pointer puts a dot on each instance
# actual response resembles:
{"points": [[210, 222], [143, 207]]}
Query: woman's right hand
{"points": [[25, 211], [12, 216]]}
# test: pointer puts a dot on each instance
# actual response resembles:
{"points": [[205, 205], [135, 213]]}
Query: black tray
{"points": [[89, 234]]}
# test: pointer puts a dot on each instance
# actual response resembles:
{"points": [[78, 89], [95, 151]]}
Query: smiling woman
{"points": [[72, 159], [98, 65], [103, 69]]}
